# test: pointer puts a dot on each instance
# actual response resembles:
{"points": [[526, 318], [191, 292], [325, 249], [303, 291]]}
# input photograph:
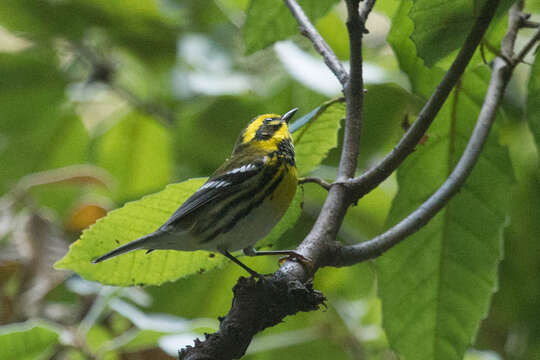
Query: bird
{"points": [[240, 202]]}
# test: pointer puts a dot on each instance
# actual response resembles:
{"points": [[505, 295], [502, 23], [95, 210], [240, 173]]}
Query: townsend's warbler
{"points": [[240, 203]]}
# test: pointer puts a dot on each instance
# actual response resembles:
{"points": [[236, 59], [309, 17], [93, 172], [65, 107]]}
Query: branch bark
{"points": [[373, 177]]}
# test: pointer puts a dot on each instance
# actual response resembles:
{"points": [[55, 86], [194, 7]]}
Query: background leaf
{"points": [[442, 26], [136, 219], [36, 132], [271, 21], [320, 134], [27, 341], [136, 26], [137, 151], [445, 274]]}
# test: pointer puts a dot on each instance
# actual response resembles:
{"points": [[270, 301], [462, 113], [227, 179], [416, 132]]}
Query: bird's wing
{"points": [[215, 189]]}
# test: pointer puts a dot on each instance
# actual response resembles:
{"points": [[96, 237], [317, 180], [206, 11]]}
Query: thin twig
{"points": [[308, 30], [501, 73], [373, 177], [528, 46], [367, 6], [530, 24], [316, 180]]}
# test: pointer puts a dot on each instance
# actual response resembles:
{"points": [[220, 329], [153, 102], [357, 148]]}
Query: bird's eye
{"points": [[267, 120]]}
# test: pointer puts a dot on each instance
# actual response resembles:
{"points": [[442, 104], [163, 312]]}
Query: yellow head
{"points": [[266, 131]]}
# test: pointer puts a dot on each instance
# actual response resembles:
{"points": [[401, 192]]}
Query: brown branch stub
{"points": [[309, 179], [257, 304]]}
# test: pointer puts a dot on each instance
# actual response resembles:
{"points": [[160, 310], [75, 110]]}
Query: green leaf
{"points": [[271, 21], [32, 99], [383, 119], [441, 27], [423, 80], [27, 341], [333, 29], [533, 101], [136, 219], [318, 136], [436, 286], [137, 151]]}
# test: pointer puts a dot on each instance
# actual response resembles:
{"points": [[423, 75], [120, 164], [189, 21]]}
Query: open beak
{"points": [[288, 115]]}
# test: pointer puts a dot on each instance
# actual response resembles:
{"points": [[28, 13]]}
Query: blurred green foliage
{"points": [[103, 102]]}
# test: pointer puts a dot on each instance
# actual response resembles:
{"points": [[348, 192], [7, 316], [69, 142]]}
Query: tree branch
{"points": [[501, 73], [237, 329], [316, 180], [308, 30], [373, 177], [256, 306]]}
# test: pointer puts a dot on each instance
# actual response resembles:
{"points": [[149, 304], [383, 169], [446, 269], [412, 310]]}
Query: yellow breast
{"points": [[284, 193]]}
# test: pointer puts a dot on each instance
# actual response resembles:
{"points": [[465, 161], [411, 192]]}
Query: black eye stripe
{"points": [[265, 132]]}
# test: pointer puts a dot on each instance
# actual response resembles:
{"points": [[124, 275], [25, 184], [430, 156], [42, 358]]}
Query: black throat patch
{"points": [[285, 152]]}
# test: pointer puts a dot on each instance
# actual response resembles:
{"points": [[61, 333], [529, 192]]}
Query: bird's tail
{"points": [[130, 246]]}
